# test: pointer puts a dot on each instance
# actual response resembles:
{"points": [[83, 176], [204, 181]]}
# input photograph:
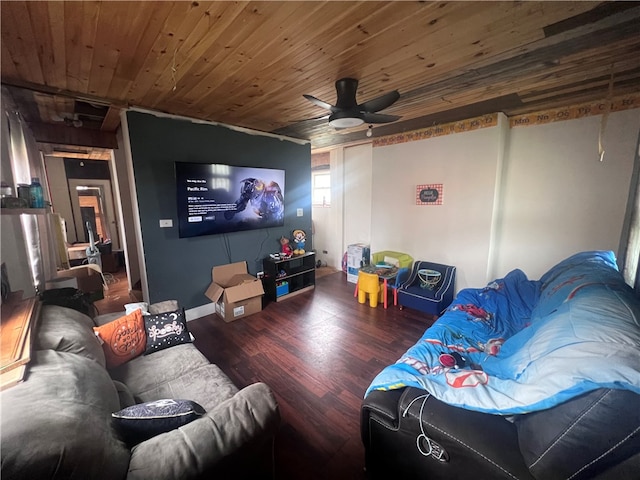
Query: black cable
{"points": [[259, 255], [227, 247]]}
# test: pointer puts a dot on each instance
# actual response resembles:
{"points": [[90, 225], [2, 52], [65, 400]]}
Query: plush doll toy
{"points": [[285, 247], [299, 238]]}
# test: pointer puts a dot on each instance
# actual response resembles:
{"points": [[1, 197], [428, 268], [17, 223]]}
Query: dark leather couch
{"points": [[408, 435], [584, 323]]}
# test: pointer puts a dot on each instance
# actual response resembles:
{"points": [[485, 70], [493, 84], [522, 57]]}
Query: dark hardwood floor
{"points": [[318, 352]]}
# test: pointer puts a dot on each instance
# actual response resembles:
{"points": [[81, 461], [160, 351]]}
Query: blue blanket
{"points": [[519, 345]]}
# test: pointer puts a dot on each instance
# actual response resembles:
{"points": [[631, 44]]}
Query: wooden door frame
{"points": [[109, 205]]}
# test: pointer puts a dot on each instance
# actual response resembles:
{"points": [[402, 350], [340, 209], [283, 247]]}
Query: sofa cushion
{"points": [[124, 394], [154, 308], [166, 330], [553, 441], [123, 339], [66, 330], [145, 420], [51, 428], [178, 372]]}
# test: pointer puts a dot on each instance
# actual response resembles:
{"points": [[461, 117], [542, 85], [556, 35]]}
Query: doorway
{"points": [[92, 201]]}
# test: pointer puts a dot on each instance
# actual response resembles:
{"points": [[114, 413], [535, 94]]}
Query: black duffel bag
{"points": [[69, 297]]}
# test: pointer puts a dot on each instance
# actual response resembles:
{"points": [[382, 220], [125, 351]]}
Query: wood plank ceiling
{"points": [[74, 65]]}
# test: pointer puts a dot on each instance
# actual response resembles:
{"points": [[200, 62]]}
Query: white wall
{"points": [[357, 196], [332, 218], [558, 198], [322, 235], [524, 197], [455, 233], [348, 219]]}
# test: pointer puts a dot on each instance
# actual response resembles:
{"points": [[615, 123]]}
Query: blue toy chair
{"points": [[431, 298], [401, 277]]}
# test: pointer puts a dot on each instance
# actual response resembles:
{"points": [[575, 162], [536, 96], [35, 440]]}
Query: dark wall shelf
{"points": [[285, 278]]}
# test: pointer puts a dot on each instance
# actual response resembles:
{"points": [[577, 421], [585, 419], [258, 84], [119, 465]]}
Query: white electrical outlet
{"points": [[300, 212], [166, 223]]}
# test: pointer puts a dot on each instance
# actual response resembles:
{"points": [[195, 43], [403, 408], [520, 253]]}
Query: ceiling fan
{"points": [[348, 113]]}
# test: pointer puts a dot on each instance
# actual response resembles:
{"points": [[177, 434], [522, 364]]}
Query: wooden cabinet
{"points": [[284, 278]]}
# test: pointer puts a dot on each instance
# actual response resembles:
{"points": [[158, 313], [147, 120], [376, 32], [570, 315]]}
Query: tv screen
{"points": [[216, 198]]}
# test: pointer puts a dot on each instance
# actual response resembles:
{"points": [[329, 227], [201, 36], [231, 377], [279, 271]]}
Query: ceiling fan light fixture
{"points": [[344, 120]]}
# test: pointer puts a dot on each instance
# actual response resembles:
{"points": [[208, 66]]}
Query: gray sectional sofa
{"points": [[58, 423]]}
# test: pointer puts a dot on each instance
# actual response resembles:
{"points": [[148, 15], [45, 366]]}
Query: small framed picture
{"points": [[429, 194]]}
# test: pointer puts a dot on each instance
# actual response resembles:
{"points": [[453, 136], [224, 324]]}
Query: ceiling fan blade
{"points": [[319, 102], [309, 120], [380, 103], [303, 128], [379, 118]]}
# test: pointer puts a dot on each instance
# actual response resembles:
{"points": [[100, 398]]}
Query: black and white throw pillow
{"points": [[166, 330]]}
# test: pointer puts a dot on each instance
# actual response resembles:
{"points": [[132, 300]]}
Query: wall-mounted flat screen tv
{"points": [[217, 198]]}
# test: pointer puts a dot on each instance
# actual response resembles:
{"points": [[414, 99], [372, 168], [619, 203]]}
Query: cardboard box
{"points": [[235, 293], [358, 255]]}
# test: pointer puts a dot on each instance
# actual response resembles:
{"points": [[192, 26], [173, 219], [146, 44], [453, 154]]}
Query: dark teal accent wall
{"points": [[180, 268]]}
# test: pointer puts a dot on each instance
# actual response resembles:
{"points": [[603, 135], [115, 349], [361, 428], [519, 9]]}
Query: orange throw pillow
{"points": [[123, 339]]}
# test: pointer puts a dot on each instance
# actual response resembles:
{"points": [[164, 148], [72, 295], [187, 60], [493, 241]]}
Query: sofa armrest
{"points": [[382, 405], [250, 416], [410, 434]]}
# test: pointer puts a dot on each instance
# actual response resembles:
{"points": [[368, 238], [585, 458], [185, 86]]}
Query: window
{"points": [[321, 188]]}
